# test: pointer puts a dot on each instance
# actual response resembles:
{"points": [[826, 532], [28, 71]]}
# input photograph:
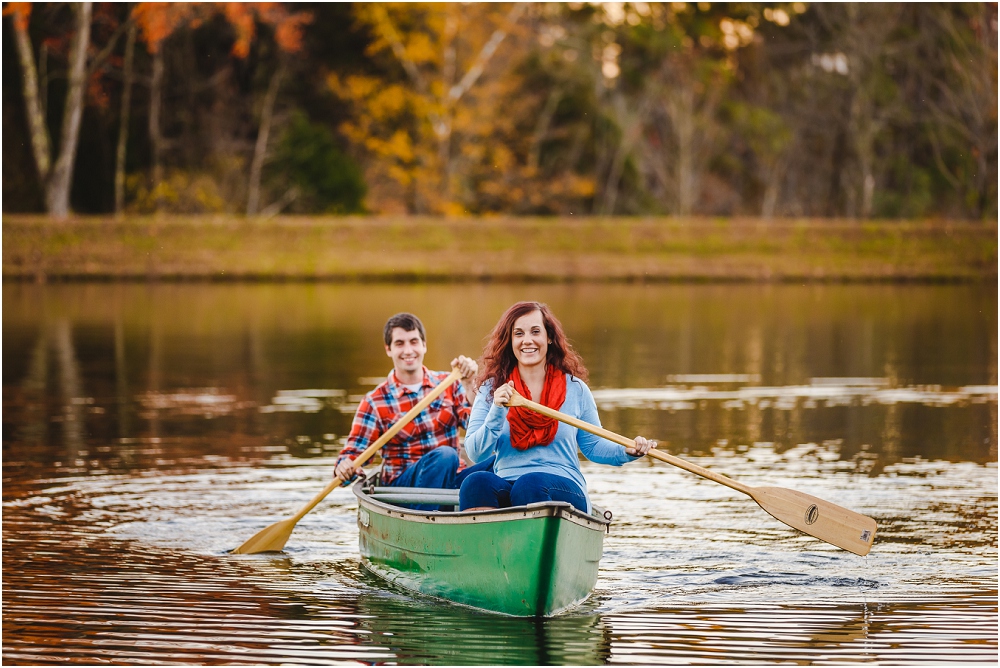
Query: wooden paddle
{"points": [[821, 519], [274, 537]]}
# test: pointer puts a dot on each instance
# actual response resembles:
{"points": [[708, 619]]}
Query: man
{"points": [[425, 453]]}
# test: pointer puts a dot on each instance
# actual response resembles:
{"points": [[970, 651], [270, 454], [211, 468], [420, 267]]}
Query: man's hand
{"points": [[344, 470], [469, 369], [467, 366]]}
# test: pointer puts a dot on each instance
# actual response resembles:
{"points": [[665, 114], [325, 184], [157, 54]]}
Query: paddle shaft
{"points": [[518, 400]]}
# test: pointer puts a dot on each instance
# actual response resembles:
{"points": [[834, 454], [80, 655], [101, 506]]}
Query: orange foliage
{"points": [[241, 18], [97, 93], [21, 12], [159, 20]]}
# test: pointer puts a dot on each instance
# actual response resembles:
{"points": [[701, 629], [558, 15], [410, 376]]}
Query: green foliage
{"points": [[308, 159], [912, 193]]}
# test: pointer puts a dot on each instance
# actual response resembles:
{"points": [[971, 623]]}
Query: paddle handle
{"points": [[518, 400]]}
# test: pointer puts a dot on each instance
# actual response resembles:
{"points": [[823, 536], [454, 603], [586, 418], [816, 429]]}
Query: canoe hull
{"points": [[535, 560]]}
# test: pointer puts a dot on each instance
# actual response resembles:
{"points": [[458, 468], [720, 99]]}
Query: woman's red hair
{"points": [[498, 360]]}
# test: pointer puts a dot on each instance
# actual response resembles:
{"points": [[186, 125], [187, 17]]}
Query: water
{"points": [[149, 429]]}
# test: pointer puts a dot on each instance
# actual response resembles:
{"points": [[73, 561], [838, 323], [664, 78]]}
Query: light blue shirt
{"points": [[488, 433]]}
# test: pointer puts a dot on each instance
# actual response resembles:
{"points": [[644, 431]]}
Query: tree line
{"points": [[858, 110]]}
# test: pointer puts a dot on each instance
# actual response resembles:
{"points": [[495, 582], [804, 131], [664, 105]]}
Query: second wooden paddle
{"points": [[821, 519]]}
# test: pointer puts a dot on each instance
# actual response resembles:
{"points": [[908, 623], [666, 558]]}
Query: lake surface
{"points": [[150, 429]]}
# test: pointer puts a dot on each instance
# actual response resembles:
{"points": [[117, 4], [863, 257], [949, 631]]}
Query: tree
{"points": [[863, 34], [667, 69], [123, 119], [410, 124], [56, 175]]}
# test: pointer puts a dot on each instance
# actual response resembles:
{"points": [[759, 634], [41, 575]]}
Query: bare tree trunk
{"points": [[772, 190], [444, 128], [630, 123], [542, 127], [43, 78], [124, 121], [682, 116], [57, 194], [155, 138], [260, 150], [40, 144]]}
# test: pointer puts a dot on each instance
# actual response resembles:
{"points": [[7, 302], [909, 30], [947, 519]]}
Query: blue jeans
{"points": [[485, 489], [438, 469]]}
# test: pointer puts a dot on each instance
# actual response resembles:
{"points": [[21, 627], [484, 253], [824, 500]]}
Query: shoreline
{"points": [[396, 249]]}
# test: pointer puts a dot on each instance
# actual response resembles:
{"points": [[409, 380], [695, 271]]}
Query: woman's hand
{"points": [[503, 394], [642, 446]]}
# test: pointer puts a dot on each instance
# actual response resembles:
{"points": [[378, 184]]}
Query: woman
{"points": [[536, 456]]}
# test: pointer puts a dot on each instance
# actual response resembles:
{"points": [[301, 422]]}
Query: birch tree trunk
{"points": [[682, 116], [772, 189], [124, 121], [57, 193], [40, 144], [630, 121], [260, 150], [155, 138]]}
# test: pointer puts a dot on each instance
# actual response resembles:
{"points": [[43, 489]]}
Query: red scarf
{"points": [[528, 428]]}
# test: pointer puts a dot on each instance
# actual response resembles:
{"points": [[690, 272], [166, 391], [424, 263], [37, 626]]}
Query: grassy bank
{"points": [[547, 249]]}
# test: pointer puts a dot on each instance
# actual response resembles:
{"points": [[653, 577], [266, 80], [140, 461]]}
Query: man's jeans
{"points": [[485, 489], [438, 469]]}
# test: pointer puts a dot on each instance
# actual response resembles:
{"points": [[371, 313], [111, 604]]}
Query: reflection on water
{"points": [[147, 430]]}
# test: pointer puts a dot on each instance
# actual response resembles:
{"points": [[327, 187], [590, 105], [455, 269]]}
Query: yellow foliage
{"points": [[179, 192], [434, 140], [401, 146], [388, 102]]}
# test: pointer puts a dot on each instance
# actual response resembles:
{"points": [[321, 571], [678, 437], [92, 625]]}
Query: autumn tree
{"points": [[419, 123]]}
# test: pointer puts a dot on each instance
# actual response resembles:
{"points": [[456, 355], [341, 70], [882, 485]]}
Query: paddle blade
{"points": [[821, 519], [269, 539]]}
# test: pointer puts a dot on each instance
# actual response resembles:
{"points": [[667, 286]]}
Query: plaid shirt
{"points": [[435, 426]]}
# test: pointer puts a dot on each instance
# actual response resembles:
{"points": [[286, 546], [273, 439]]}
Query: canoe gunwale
{"points": [[599, 521]]}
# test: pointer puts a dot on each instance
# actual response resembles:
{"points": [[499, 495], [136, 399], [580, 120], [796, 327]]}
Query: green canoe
{"points": [[533, 561]]}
